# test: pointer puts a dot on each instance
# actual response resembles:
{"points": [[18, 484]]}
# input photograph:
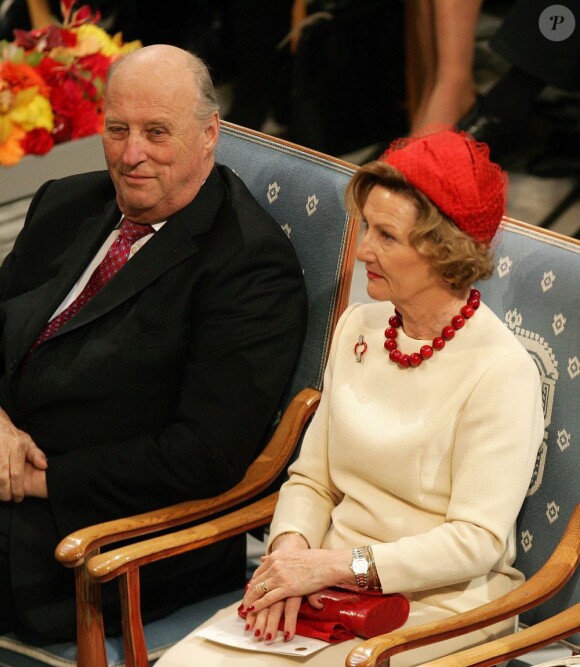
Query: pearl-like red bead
{"points": [[468, 311], [458, 322], [415, 359], [391, 332], [404, 361], [390, 344], [395, 355], [448, 332], [438, 343], [426, 351], [474, 299]]}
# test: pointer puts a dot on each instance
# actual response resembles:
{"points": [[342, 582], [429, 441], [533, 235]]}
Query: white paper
{"points": [[230, 631]]}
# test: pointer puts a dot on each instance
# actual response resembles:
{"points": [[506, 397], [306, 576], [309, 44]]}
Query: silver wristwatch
{"points": [[360, 567]]}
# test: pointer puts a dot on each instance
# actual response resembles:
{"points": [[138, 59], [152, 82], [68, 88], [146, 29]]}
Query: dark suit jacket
{"points": [[161, 389]]}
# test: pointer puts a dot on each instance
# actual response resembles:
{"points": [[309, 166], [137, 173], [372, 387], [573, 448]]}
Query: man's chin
{"points": [[134, 207]]}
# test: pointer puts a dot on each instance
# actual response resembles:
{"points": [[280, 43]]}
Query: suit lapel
{"points": [[28, 313], [176, 241]]}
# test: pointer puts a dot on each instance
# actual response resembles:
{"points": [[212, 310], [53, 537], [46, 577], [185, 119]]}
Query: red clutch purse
{"points": [[347, 614]]}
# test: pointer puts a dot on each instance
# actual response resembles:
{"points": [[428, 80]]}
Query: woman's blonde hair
{"points": [[455, 256]]}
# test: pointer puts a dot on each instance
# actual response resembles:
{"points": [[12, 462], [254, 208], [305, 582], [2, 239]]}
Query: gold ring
{"points": [[264, 587]]}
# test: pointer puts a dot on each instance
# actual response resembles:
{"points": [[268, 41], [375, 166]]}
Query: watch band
{"points": [[360, 567]]}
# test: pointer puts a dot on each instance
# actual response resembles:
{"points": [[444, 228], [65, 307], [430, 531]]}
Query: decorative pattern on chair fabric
{"points": [[535, 290]]}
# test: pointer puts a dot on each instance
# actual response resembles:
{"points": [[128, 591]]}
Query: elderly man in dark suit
{"points": [[151, 316]]}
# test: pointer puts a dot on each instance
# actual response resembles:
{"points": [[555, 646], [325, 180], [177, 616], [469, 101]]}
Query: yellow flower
{"points": [[92, 39], [126, 47], [25, 109], [32, 112]]}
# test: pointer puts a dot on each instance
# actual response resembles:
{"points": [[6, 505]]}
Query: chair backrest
{"points": [[535, 290], [303, 190]]}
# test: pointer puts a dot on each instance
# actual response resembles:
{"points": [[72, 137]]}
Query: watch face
{"points": [[360, 566]]}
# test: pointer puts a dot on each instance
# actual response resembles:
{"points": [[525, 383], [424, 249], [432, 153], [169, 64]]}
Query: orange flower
{"points": [[11, 151], [18, 76]]}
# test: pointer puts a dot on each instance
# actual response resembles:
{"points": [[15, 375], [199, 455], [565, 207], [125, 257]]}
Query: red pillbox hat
{"points": [[454, 171]]}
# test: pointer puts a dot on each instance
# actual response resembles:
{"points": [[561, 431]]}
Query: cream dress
{"points": [[428, 465]]}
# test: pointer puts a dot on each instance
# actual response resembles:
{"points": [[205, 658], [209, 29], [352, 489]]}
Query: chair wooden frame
{"points": [[76, 549], [560, 626], [560, 567], [83, 547], [125, 562]]}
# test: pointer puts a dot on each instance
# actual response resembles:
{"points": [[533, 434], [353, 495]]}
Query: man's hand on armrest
{"points": [[22, 464]]}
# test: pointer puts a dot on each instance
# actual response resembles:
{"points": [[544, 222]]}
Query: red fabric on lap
{"points": [[347, 614]]}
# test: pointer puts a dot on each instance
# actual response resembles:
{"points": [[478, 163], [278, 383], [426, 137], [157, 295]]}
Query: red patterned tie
{"points": [[116, 257]]}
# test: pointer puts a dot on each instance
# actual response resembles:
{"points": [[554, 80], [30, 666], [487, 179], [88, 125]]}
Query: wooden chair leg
{"points": [[133, 636], [91, 651]]}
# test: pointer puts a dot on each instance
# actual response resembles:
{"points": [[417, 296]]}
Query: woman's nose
{"points": [[364, 252]]}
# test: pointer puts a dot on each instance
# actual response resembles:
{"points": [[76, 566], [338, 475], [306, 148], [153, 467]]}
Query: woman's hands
{"points": [[287, 574]]}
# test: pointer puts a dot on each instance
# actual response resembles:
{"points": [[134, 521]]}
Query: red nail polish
{"points": [[248, 626], [268, 636], [286, 636], [257, 633], [250, 609]]}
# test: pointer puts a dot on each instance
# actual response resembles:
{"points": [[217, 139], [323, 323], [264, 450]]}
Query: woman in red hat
{"points": [[413, 471]]}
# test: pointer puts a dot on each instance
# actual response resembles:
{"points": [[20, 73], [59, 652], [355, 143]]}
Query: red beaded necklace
{"points": [[426, 352]]}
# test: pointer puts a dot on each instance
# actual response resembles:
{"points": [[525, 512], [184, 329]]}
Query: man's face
{"points": [[157, 152]]}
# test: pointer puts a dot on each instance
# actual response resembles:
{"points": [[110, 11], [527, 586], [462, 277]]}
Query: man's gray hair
{"points": [[207, 99]]}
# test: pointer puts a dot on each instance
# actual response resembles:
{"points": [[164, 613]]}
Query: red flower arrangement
{"points": [[51, 83]]}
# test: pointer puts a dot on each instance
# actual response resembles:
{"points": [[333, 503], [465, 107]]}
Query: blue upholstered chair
{"points": [[535, 290], [304, 192]]}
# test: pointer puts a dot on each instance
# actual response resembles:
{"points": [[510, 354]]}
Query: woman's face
{"points": [[396, 272]]}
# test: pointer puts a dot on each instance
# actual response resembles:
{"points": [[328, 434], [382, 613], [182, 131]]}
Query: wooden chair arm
{"points": [[557, 627], [74, 548], [116, 562], [553, 575]]}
